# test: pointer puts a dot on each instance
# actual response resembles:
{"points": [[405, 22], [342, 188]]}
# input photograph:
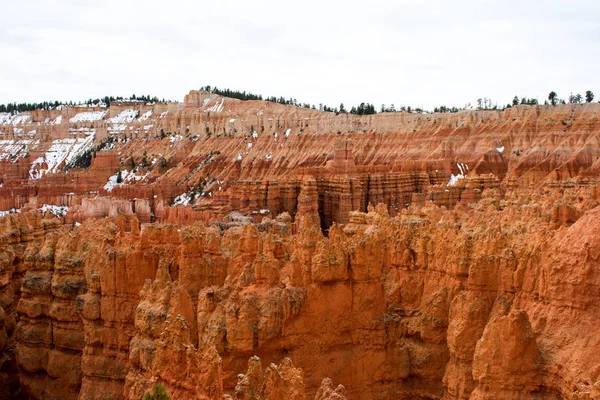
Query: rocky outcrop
{"points": [[401, 256]]}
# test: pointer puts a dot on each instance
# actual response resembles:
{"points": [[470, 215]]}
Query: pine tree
{"points": [[159, 392], [553, 97], [119, 177], [589, 96]]}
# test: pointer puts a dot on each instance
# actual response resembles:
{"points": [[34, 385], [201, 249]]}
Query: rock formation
{"points": [[251, 250]]}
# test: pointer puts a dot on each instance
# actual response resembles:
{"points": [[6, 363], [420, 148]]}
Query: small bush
{"points": [[159, 392]]}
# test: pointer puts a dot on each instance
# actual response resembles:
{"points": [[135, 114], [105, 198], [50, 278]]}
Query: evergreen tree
{"points": [[589, 96], [119, 177], [159, 392], [516, 101], [553, 97]]}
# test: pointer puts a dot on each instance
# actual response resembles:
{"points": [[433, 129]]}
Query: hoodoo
{"points": [[230, 249]]}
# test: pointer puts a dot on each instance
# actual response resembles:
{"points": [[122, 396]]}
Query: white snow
{"points": [[61, 151], [59, 211], [175, 138], [162, 115], [11, 211], [255, 135], [183, 199], [124, 117], [249, 145], [269, 156], [232, 120], [146, 115], [218, 107], [287, 133], [58, 120], [4, 118], [126, 178], [20, 119], [13, 149], [148, 127], [454, 179], [500, 149], [463, 168], [239, 157], [88, 116]]}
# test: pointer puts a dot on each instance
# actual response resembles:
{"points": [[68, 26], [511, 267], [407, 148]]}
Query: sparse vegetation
{"points": [[589, 96], [159, 392]]}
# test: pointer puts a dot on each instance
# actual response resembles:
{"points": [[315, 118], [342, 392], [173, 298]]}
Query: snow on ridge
{"points": [[20, 119], [145, 116], [58, 211], [463, 168], [11, 211], [183, 200], [88, 116], [14, 149], [126, 178], [175, 138], [500, 149], [124, 117], [61, 151], [218, 107]]}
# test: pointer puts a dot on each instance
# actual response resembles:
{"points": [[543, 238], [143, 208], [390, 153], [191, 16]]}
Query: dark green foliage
{"points": [[444, 109], [575, 99], [589, 96], [119, 177], [52, 105], [159, 392], [234, 94], [363, 109], [553, 97], [84, 160]]}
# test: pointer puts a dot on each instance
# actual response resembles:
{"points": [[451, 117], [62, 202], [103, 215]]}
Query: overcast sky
{"points": [[405, 52]]}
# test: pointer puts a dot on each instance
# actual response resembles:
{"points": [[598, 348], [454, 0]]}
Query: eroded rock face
{"points": [[433, 303], [407, 257]]}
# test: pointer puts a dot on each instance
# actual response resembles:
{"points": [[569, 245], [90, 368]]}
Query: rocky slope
{"points": [[261, 251]]}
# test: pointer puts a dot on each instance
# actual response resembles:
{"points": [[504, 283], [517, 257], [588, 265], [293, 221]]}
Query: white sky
{"points": [[406, 52]]}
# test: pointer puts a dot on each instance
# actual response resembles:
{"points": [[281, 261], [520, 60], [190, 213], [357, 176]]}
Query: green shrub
{"points": [[159, 392]]}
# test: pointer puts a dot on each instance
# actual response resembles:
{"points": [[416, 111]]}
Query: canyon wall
{"points": [[253, 250]]}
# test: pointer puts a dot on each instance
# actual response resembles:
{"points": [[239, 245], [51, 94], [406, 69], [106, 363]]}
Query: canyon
{"points": [[232, 249]]}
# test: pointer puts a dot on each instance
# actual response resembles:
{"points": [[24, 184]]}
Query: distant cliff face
{"points": [[251, 250], [219, 155]]}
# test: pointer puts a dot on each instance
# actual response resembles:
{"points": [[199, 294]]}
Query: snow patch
{"points": [[124, 117], [11, 211], [58, 211], [126, 178], [62, 151], [146, 115], [218, 107], [500, 149], [88, 116]]}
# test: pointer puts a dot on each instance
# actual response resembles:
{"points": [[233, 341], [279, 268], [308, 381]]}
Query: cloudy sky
{"points": [[406, 52]]}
